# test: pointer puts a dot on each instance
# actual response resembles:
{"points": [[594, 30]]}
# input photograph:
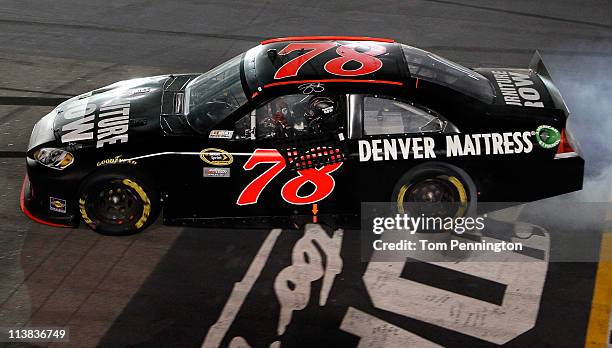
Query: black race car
{"points": [[296, 121]]}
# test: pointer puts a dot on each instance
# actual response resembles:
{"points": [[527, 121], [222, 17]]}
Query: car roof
{"points": [[292, 61]]}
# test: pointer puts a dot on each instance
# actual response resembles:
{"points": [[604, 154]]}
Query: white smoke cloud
{"points": [[584, 80]]}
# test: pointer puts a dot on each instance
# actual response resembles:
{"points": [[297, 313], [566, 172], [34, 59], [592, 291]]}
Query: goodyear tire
{"points": [[115, 203], [436, 183]]}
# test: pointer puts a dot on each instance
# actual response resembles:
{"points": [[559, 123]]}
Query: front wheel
{"points": [[117, 204]]}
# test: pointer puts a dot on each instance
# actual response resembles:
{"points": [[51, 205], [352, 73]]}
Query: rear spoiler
{"points": [[537, 66]]}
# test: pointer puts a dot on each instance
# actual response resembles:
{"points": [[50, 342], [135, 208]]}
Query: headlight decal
{"points": [[54, 158]]}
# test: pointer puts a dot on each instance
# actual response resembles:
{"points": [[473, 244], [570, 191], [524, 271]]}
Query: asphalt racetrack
{"points": [[207, 287]]}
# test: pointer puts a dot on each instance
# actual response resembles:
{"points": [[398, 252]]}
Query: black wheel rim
{"points": [[432, 197], [115, 204], [434, 190]]}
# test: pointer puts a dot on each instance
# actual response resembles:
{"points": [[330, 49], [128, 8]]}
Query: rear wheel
{"points": [[435, 189], [117, 204]]}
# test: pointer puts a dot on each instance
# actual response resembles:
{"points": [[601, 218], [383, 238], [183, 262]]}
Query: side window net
{"points": [[244, 128]]}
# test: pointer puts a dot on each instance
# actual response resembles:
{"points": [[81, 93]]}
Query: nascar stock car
{"points": [[295, 121]]}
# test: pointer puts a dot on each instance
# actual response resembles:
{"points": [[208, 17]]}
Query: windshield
{"points": [[214, 95], [428, 66]]}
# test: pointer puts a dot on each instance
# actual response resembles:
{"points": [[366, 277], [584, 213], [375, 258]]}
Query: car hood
{"points": [[111, 115]]}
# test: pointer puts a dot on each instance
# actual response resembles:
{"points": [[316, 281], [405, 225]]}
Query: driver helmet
{"points": [[320, 109]]}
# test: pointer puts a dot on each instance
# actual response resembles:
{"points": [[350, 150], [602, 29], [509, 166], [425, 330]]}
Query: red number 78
{"points": [[319, 177], [368, 63]]}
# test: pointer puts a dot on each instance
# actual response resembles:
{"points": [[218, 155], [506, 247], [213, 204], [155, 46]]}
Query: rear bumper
{"points": [[38, 211], [566, 174], [551, 178], [528, 181]]}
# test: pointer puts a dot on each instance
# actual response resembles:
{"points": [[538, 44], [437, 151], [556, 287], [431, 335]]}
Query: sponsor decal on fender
{"points": [[58, 205], [116, 160], [216, 157], [456, 145], [221, 134], [516, 88], [212, 172], [547, 136]]}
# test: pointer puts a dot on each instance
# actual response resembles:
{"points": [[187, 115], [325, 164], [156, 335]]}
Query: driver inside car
{"points": [[279, 119]]}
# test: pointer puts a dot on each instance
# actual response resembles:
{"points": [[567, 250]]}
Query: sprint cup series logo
{"points": [[216, 157]]}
